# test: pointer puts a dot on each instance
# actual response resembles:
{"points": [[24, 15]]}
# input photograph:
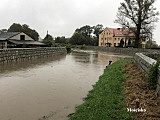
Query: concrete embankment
{"points": [[146, 61], [127, 51], [144, 57], [7, 55]]}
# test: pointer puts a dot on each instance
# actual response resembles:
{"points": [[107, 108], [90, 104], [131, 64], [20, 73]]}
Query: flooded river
{"points": [[49, 88]]}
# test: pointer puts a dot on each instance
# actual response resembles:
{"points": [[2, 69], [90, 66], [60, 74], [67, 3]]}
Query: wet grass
{"points": [[106, 100]]}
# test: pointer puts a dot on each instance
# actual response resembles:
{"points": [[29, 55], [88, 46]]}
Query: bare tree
{"points": [[138, 15]]}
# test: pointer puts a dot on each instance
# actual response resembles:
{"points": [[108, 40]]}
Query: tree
{"points": [[60, 39], [151, 44], [49, 43], [77, 39], [3, 30], [34, 34], [138, 15], [48, 40], [89, 35], [97, 30], [15, 27], [85, 30]]}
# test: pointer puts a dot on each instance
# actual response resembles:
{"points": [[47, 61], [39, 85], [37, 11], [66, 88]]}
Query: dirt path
{"points": [[138, 96]]}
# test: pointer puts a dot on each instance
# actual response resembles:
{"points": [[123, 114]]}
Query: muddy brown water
{"points": [[49, 88]]}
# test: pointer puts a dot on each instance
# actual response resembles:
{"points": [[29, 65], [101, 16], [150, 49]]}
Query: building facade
{"points": [[118, 37]]}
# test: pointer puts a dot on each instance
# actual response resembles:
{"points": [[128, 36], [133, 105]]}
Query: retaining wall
{"points": [[154, 55], [146, 63], [11, 54], [143, 56], [128, 51]]}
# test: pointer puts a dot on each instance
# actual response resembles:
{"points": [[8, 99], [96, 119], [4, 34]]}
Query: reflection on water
{"points": [[27, 63], [49, 88]]}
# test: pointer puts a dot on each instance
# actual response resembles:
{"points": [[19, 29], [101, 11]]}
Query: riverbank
{"points": [[124, 51], [106, 100], [139, 96]]}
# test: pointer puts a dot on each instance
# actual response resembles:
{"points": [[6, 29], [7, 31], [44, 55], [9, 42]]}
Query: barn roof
{"points": [[27, 42], [7, 35]]}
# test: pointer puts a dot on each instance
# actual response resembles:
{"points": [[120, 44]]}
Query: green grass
{"points": [[106, 100]]}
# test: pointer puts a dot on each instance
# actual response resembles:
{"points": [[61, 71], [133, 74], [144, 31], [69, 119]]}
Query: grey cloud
{"points": [[60, 17]]}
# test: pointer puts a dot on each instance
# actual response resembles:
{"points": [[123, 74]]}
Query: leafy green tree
{"points": [[138, 15], [3, 30], [57, 39], [151, 44], [77, 39], [34, 34], [26, 28], [60, 39], [48, 40], [97, 30], [15, 27], [67, 40], [85, 30], [95, 41], [49, 43], [89, 35]]}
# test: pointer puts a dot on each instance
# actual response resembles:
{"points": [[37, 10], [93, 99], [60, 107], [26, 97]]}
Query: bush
{"points": [[68, 47], [152, 76]]}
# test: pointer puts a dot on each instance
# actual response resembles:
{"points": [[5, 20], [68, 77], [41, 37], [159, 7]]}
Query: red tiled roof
{"points": [[120, 32]]}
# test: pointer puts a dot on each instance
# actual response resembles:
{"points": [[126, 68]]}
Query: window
{"points": [[101, 38], [114, 38], [143, 40], [143, 46], [114, 44], [105, 38], [22, 37], [2, 45]]}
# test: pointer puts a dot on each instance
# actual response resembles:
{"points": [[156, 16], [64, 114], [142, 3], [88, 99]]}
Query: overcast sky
{"points": [[62, 17]]}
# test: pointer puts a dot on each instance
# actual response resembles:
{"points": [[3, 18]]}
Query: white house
{"points": [[17, 39]]}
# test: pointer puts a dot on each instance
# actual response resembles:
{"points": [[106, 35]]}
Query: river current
{"points": [[49, 88]]}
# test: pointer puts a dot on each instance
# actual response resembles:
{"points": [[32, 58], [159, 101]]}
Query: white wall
{"points": [[17, 37]]}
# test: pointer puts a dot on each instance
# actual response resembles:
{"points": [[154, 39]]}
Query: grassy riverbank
{"points": [[106, 100]]}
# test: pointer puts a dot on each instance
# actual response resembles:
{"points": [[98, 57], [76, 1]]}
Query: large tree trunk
{"points": [[137, 40], [137, 37]]}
